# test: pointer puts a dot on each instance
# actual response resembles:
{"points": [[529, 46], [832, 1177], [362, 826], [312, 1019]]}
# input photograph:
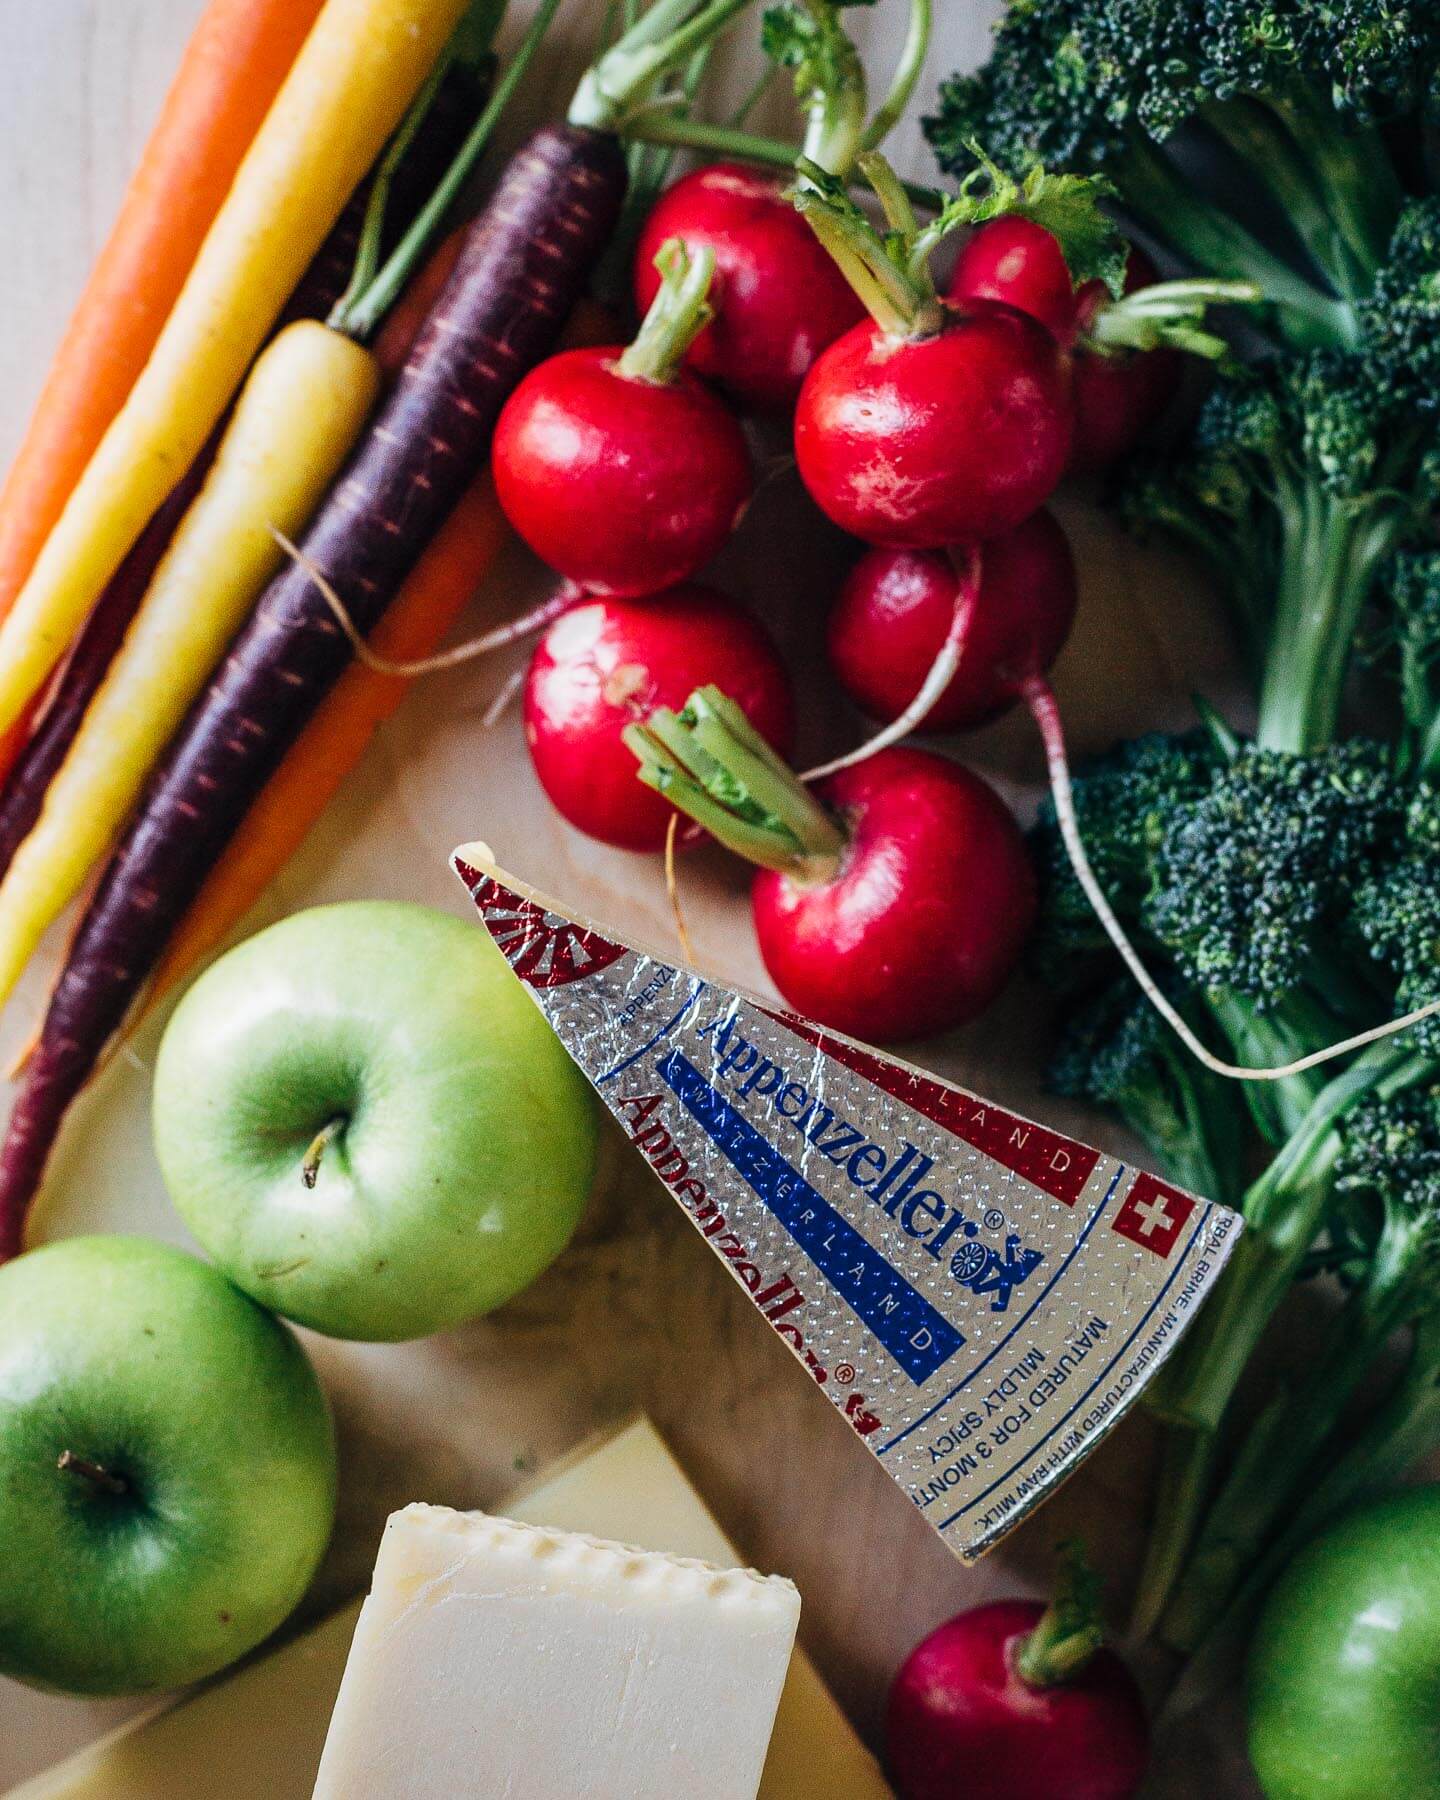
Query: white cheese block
{"points": [[513, 1661], [257, 1734]]}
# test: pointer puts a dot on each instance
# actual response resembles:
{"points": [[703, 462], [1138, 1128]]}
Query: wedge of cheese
{"points": [[520, 1662], [258, 1734]]}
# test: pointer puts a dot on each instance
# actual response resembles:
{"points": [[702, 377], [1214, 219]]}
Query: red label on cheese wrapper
{"points": [[1057, 1164], [981, 1298], [543, 951]]}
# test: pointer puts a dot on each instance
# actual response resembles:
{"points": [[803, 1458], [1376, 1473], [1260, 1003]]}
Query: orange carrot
{"points": [[232, 70], [330, 746]]}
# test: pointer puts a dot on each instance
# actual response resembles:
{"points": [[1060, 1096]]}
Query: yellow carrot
{"points": [[359, 69], [297, 418]]}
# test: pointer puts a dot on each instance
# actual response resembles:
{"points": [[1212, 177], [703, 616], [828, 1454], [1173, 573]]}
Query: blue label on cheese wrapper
{"points": [[981, 1297]]}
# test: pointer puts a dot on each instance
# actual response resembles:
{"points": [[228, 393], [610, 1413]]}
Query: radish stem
{"points": [[654, 124], [1167, 313], [907, 73], [662, 37], [678, 314], [1070, 1630], [710, 762]]}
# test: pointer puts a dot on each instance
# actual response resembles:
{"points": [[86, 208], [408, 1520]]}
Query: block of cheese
{"points": [[258, 1733], [631, 1484], [495, 1658]]}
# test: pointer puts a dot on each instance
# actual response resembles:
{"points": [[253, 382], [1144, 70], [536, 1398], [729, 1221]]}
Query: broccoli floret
{"points": [[1385, 1226], [1412, 632], [1250, 876], [1124, 803], [1302, 478], [1043, 96], [1401, 317], [1396, 912], [1115, 1051]]}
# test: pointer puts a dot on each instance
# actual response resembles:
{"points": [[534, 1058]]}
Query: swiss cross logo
{"points": [[1153, 1215]]}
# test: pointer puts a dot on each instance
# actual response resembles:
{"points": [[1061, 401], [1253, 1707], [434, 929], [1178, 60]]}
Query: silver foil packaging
{"points": [[981, 1297]]}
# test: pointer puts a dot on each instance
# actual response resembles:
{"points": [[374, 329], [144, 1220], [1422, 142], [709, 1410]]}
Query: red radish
{"points": [[953, 434], [618, 467], [778, 296], [1118, 395], [898, 607], [933, 422], [1016, 1701], [891, 904], [1124, 363], [606, 664], [1021, 263]]}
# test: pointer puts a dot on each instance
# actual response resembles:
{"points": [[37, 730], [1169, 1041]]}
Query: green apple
{"points": [[367, 1123], [167, 1468]]}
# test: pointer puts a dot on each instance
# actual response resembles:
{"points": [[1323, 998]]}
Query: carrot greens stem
{"points": [[363, 317]]}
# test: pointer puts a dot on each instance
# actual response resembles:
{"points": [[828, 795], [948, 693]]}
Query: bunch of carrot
{"points": [[204, 696]]}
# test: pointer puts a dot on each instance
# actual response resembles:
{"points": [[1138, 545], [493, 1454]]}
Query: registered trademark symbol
{"points": [[844, 1374], [994, 1219]]}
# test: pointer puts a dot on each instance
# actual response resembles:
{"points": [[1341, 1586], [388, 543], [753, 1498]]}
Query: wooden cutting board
{"points": [[638, 1312]]}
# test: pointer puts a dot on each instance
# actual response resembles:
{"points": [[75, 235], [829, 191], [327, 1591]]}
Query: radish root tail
{"points": [[941, 673], [672, 889], [1041, 700], [500, 638]]}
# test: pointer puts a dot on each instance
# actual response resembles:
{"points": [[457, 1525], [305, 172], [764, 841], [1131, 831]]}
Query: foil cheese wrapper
{"points": [[982, 1298]]}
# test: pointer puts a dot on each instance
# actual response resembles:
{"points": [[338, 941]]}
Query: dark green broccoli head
{"points": [[1045, 95], [1406, 642], [1252, 877], [1114, 1051], [1302, 477], [1401, 320], [1124, 802], [1374, 57], [1386, 1226], [1069, 81], [1396, 910]]}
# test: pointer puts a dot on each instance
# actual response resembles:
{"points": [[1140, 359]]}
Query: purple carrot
{"points": [[525, 263], [447, 121]]}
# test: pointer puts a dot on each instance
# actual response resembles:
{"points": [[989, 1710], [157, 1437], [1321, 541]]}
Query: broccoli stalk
{"points": [[1396, 1283], [1303, 478], [1398, 1433], [1388, 1246], [1119, 1054]]}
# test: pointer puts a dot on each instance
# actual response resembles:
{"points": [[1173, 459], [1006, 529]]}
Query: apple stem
{"points": [[92, 1472], [320, 1143]]}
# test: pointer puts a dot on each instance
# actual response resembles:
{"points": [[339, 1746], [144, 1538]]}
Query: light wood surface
{"points": [[638, 1312]]}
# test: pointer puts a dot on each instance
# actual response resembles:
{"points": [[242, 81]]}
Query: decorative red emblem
{"points": [[1154, 1214], [543, 952]]}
